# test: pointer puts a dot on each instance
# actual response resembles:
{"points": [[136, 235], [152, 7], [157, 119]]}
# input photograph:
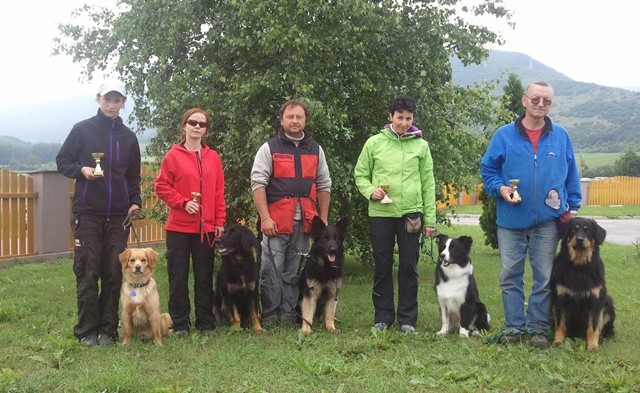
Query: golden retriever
{"points": [[139, 298]]}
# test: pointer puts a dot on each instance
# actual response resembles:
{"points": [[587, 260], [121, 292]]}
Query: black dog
{"points": [[322, 274], [460, 306], [580, 305], [236, 296]]}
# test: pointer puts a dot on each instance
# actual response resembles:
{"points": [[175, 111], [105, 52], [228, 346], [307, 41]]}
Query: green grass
{"points": [[599, 211], [594, 160], [39, 353]]}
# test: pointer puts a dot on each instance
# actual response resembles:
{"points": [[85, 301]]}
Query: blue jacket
{"points": [[549, 180]]}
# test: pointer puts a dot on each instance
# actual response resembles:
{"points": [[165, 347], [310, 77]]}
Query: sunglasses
{"points": [[536, 100], [193, 123]]}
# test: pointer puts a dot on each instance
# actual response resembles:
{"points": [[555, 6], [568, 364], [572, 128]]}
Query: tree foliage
{"points": [[512, 104], [628, 164], [241, 59]]}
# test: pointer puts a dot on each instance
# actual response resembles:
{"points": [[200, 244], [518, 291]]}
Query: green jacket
{"points": [[405, 165]]}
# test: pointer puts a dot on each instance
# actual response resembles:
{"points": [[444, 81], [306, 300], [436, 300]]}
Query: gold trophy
{"points": [[386, 198], [514, 183], [98, 171], [195, 196]]}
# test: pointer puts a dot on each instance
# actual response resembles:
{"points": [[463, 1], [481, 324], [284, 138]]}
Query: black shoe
{"points": [[180, 333], [105, 339], [539, 341], [90, 340]]}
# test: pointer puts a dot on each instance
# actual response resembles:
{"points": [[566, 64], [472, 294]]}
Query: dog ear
{"points": [[564, 228], [600, 233], [341, 226], [467, 241], [152, 256], [317, 225], [442, 239], [248, 241], [124, 257]]}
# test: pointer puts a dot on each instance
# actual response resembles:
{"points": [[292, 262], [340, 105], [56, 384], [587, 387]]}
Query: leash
{"points": [[428, 250], [133, 215]]}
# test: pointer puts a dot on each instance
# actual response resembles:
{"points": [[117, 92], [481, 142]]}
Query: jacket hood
{"points": [[412, 131]]}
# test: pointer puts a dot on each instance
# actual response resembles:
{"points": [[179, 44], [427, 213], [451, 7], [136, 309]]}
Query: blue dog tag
{"points": [[133, 293]]}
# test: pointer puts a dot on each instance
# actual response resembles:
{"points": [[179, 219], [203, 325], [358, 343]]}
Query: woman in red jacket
{"points": [[191, 184]]}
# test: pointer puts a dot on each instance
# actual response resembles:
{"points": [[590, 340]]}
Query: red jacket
{"points": [[183, 172]]}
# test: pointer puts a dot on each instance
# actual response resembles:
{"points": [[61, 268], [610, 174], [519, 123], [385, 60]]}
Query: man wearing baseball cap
{"points": [[103, 156]]}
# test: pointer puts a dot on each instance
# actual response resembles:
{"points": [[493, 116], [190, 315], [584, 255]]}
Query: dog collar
{"points": [[139, 285]]}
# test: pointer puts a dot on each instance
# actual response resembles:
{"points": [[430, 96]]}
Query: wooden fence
{"points": [[619, 190], [17, 200]]}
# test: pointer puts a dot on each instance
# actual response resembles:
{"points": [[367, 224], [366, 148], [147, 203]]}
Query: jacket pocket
{"points": [[283, 166]]}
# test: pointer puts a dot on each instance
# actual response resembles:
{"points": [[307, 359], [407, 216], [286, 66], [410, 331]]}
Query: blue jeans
{"points": [[541, 243]]}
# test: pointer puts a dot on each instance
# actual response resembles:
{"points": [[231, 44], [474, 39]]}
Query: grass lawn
{"points": [[599, 211], [40, 354]]}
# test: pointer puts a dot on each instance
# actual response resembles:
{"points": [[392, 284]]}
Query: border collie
{"points": [[460, 305]]}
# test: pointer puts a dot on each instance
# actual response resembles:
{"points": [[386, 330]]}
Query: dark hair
{"points": [[295, 103], [186, 117], [402, 103]]}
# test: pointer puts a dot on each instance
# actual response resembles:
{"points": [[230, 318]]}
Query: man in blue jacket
{"points": [[538, 154]]}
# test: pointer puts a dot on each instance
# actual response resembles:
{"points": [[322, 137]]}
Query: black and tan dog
{"points": [[322, 274], [580, 304], [139, 298], [236, 297]]}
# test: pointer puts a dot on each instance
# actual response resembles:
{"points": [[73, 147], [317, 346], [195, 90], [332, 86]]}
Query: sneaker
{"points": [[380, 326], [510, 337], [90, 340], [539, 341], [105, 339], [407, 329], [180, 333], [206, 332]]}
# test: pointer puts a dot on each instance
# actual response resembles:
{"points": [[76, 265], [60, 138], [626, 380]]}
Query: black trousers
{"points": [[98, 242], [384, 233], [181, 247]]}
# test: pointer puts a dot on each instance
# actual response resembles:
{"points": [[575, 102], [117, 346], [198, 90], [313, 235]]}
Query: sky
{"points": [[587, 40]]}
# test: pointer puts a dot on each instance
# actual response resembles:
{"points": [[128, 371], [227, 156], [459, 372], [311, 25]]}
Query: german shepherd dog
{"points": [[580, 305], [460, 306], [236, 297], [322, 274]]}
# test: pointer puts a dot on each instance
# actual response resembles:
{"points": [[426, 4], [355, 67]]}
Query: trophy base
{"points": [[386, 200], [98, 174]]}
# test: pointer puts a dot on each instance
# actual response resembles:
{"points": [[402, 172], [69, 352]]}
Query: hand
{"points": [[219, 231], [268, 227], [87, 172], [507, 194], [428, 231], [377, 194], [192, 207]]}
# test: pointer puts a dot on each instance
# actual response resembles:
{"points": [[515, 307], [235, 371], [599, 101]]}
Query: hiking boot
{"points": [[407, 329], [90, 340], [380, 326], [105, 339], [539, 341], [511, 337]]}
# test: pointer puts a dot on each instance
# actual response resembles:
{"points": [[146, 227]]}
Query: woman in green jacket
{"points": [[395, 173]]}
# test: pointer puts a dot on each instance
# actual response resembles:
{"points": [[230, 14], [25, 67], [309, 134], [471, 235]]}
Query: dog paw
{"points": [[442, 332], [463, 333]]}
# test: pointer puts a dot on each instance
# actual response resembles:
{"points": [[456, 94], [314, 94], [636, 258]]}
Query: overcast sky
{"points": [[587, 40]]}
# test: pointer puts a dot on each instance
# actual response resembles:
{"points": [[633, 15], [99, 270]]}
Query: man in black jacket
{"points": [[101, 202]]}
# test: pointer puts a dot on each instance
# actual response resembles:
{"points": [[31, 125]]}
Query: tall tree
{"points": [[241, 59], [512, 105]]}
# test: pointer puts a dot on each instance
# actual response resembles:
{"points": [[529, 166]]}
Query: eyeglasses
{"points": [[536, 100], [193, 123]]}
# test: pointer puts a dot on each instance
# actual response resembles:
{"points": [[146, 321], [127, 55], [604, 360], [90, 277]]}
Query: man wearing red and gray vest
{"points": [[289, 178]]}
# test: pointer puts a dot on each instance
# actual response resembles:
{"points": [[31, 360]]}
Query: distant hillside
{"points": [[599, 118]]}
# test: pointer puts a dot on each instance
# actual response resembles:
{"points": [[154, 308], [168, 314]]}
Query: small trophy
{"points": [[386, 198], [514, 183], [98, 171], [195, 196]]}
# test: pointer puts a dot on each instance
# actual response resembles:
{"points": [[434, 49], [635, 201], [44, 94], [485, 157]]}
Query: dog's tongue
{"points": [[331, 257]]}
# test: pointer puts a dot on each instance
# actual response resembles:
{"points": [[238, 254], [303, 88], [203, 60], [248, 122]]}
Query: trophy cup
{"points": [[514, 183], [98, 171], [386, 198], [195, 196]]}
